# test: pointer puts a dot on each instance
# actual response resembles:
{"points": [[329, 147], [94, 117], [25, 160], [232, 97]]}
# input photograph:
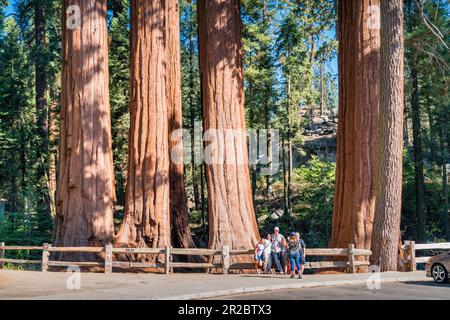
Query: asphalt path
{"points": [[427, 290]]}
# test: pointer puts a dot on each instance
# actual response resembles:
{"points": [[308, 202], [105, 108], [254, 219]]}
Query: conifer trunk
{"points": [[232, 220], [356, 158], [147, 208], [386, 231], [85, 191]]}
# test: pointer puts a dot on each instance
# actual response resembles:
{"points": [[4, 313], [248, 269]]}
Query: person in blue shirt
{"points": [[295, 254]]}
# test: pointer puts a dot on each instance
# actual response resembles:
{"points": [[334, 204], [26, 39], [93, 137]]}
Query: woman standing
{"points": [[294, 248]]}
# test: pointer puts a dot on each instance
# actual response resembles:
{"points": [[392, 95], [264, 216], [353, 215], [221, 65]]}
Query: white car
{"points": [[438, 267]]}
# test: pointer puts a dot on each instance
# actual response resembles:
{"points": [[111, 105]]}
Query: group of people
{"points": [[286, 254]]}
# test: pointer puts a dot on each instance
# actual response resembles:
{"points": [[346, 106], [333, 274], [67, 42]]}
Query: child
{"points": [[259, 252]]}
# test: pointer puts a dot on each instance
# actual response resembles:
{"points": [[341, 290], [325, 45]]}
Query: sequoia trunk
{"points": [[232, 220], [359, 55], [85, 191], [147, 209], [181, 236]]}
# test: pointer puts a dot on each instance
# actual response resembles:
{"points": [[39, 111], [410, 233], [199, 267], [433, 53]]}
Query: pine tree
{"points": [[386, 230]]}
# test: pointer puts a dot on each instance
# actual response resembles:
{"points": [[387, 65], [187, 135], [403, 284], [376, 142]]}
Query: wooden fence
{"points": [[410, 249], [350, 254]]}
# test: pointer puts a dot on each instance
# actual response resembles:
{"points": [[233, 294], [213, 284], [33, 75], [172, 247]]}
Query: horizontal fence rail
{"points": [[107, 253], [410, 249]]}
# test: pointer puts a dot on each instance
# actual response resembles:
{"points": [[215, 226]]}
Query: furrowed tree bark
{"points": [[359, 92], [386, 231], [85, 191], [445, 188], [419, 184], [45, 201], [232, 220], [181, 232], [146, 220]]}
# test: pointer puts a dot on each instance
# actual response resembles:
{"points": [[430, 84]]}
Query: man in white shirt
{"points": [[277, 239]]}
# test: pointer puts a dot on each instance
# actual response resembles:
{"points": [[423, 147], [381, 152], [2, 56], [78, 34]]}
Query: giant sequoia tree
{"points": [[85, 191], [147, 208], [359, 50], [386, 230], [181, 233], [232, 219]]}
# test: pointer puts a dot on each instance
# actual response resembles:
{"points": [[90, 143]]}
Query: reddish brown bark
{"points": [[181, 233], [85, 191], [147, 209], [232, 219], [359, 55], [386, 231]]}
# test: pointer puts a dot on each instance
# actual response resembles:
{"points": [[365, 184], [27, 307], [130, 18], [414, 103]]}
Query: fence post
{"points": [[45, 256], [2, 254], [351, 258], [167, 260], [412, 255], [108, 258], [225, 259]]}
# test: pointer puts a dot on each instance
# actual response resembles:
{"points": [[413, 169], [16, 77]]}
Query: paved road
{"points": [[130, 286], [388, 291]]}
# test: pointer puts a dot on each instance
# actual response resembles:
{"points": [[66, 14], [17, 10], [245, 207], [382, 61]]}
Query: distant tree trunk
{"points": [[267, 126], [445, 189], [41, 105], [253, 171], [386, 231], [312, 53], [53, 153], [232, 220], [202, 195], [419, 185], [323, 105], [285, 180], [406, 130], [432, 136], [269, 149], [181, 232], [41, 75], [289, 150], [356, 158], [85, 191], [147, 205], [192, 106]]}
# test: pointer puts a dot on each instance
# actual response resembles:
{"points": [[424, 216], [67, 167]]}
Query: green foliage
{"points": [[312, 206], [25, 220], [426, 50]]}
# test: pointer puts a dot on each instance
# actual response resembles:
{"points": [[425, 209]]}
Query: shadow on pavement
{"points": [[430, 283]]}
